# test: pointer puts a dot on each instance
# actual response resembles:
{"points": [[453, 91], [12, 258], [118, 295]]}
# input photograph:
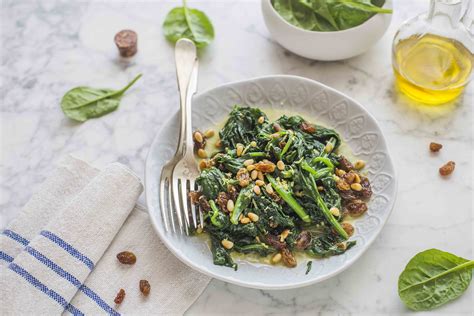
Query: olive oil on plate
{"points": [[431, 69]]}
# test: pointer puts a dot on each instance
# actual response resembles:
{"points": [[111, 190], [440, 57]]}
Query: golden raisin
{"points": [[126, 257], [435, 147], [119, 297], [447, 169], [145, 287], [348, 228]]}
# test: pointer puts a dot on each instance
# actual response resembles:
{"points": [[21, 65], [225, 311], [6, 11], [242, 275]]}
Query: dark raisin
{"points": [[366, 191], [194, 196], [345, 164], [303, 240], [145, 287], [275, 242], [356, 208], [204, 204], [126, 257], [119, 297], [308, 128], [222, 199], [288, 259]]}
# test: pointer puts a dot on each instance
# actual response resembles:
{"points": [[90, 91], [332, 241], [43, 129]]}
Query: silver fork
{"points": [[186, 170], [186, 72]]}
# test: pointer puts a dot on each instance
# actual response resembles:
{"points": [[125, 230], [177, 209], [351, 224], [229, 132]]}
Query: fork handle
{"points": [[185, 59]]}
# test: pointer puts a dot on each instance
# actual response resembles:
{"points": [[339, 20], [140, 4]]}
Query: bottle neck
{"points": [[445, 11]]}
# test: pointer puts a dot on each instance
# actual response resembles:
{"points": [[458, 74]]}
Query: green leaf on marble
{"points": [[83, 103], [433, 278]]}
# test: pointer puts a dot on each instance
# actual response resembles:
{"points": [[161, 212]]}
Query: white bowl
{"points": [[316, 102], [326, 45]]}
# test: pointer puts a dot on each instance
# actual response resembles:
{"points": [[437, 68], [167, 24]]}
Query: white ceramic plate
{"points": [[314, 101]]}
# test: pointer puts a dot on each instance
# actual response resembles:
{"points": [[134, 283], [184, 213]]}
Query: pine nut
{"points": [[269, 188], [218, 143], [341, 245], [202, 153], [230, 205], [254, 174], [203, 164], [280, 165], [257, 190], [359, 164], [356, 178], [198, 137], [259, 183], [245, 220], [356, 186], [239, 149], [260, 176], [320, 188], [340, 172], [251, 167], [253, 143], [335, 211], [248, 162], [209, 133], [241, 216], [253, 217], [227, 244], [261, 119], [276, 258], [284, 234], [329, 147]]}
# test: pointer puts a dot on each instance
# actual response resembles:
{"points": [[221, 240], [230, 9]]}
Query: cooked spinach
{"points": [[83, 103], [309, 265], [328, 15], [272, 189], [433, 278], [184, 22]]}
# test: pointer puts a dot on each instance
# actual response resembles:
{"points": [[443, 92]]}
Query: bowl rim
{"points": [[256, 285], [355, 28]]}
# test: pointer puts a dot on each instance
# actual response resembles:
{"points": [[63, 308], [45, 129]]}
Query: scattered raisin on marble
{"points": [[435, 147], [447, 168]]}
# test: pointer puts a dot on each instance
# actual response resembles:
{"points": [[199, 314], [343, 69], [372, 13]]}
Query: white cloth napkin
{"points": [[59, 254]]}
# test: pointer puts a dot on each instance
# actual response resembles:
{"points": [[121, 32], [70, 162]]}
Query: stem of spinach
{"points": [[465, 265], [215, 213], [108, 95], [287, 145], [289, 199]]}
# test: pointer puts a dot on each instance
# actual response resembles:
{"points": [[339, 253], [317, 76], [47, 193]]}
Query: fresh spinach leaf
{"points": [[328, 15], [83, 103], [297, 13], [193, 24], [433, 278]]}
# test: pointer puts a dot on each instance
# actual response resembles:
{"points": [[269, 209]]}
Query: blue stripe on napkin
{"points": [[72, 251], [43, 288], [16, 237], [73, 280], [4, 256]]}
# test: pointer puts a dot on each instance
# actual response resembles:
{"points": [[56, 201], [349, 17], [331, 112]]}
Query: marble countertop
{"points": [[50, 46]]}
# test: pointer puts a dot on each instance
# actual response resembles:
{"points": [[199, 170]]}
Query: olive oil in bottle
{"points": [[432, 54], [432, 69]]}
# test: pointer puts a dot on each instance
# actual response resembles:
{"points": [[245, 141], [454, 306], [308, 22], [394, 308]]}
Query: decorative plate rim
{"points": [[235, 278]]}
